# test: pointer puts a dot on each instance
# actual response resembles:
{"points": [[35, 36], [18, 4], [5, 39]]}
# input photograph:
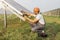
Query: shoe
{"points": [[43, 35]]}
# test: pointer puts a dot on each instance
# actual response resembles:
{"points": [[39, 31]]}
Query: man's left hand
{"points": [[25, 17]]}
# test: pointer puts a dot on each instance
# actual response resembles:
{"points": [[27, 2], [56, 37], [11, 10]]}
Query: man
{"points": [[38, 23]]}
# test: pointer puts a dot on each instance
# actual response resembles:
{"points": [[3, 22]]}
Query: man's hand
{"points": [[25, 15]]}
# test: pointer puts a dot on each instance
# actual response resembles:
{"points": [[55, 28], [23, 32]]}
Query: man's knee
{"points": [[37, 29]]}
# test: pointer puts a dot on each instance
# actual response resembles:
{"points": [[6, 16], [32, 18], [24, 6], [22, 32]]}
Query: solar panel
{"points": [[17, 6]]}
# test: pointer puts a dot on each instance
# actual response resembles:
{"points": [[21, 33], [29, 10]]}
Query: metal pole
{"points": [[5, 18]]}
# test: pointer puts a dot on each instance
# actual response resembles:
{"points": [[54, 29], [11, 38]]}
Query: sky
{"points": [[44, 5], [0, 4]]}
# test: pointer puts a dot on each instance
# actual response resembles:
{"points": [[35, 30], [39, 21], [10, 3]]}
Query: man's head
{"points": [[36, 10]]}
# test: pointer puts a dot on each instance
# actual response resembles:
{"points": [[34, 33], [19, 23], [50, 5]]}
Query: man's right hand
{"points": [[25, 15]]}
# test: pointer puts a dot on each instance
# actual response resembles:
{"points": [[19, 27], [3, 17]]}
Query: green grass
{"points": [[19, 30]]}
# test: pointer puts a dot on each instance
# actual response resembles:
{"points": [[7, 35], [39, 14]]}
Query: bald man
{"points": [[37, 25]]}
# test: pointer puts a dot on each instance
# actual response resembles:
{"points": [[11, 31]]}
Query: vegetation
{"points": [[19, 30]]}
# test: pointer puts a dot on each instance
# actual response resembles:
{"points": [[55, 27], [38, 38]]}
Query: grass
{"points": [[19, 30]]}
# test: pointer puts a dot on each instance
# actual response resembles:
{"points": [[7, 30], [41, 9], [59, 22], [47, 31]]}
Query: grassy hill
{"points": [[19, 30]]}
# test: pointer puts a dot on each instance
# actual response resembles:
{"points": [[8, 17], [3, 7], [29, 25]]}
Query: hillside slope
{"points": [[55, 12], [19, 30]]}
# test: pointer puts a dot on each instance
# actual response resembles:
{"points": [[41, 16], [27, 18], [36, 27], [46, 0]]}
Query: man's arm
{"points": [[31, 21], [29, 14]]}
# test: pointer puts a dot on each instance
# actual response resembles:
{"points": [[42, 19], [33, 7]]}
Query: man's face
{"points": [[36, 12]]}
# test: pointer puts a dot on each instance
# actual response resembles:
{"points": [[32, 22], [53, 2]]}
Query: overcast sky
{"points": [[44, 5], [0, 4]]}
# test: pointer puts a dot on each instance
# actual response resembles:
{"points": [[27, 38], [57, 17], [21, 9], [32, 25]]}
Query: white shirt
{"points": [[40, 18]]}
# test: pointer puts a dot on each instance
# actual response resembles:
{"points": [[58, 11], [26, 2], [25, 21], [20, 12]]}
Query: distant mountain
{"points": [[55, 12]]}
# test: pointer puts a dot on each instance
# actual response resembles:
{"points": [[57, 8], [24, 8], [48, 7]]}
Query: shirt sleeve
{"points": [[38, 17]]}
